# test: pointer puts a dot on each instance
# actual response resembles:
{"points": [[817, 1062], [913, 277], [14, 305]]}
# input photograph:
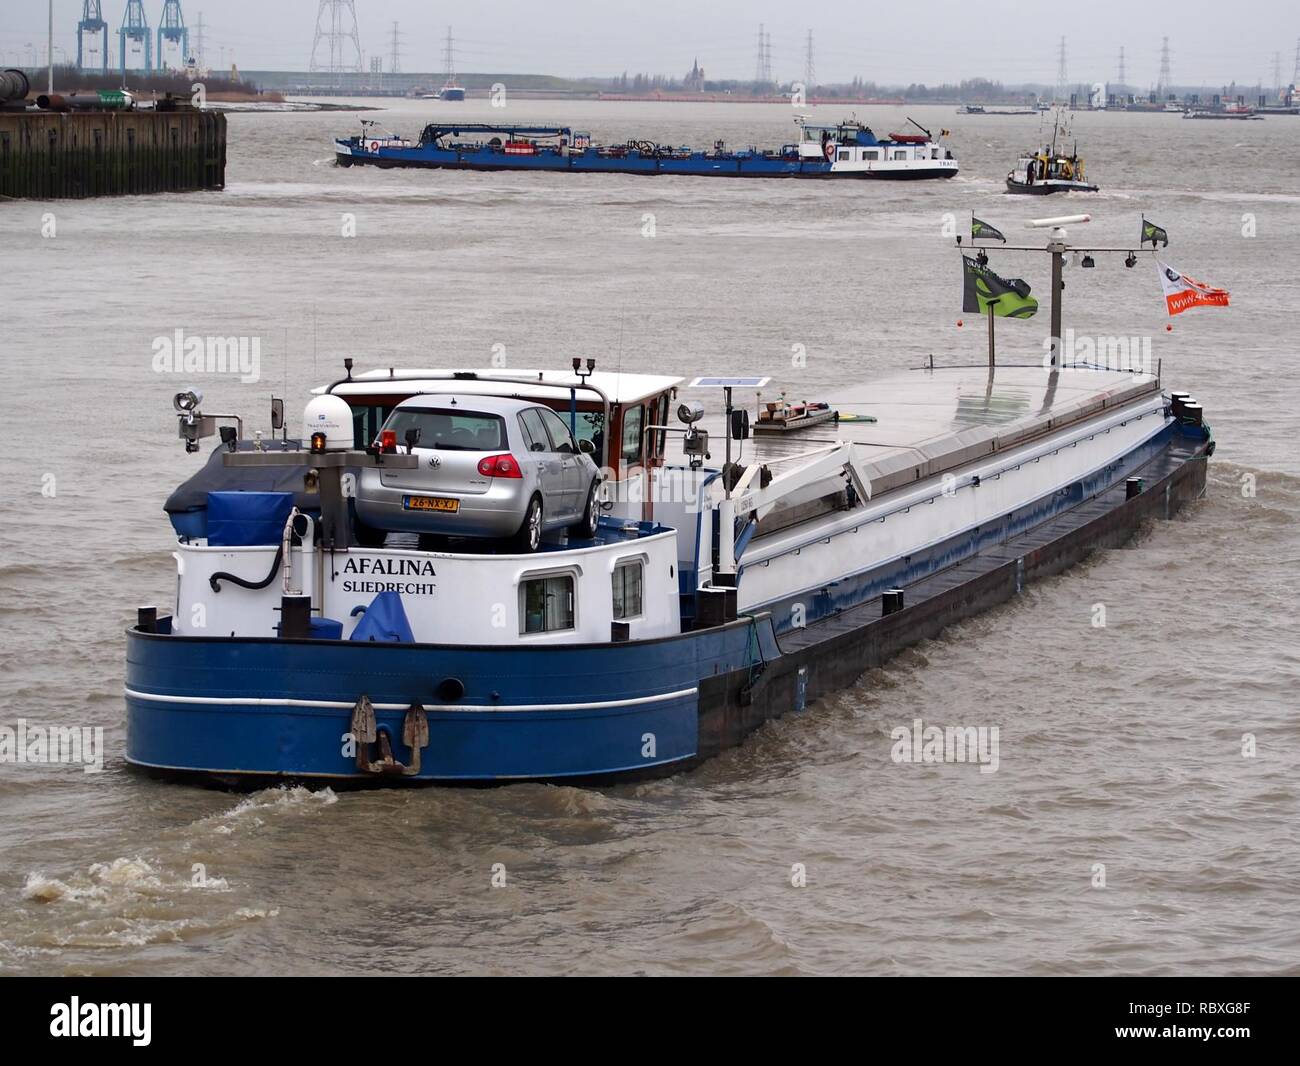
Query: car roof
{"points": [[471, 404], [541, 385]]}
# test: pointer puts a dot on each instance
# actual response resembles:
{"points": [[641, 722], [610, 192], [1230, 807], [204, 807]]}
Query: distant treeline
{"points": [[975, 90]]}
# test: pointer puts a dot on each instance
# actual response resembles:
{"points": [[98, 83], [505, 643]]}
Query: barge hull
{"points": [[833, 654], [613, 712], [649, 166]]}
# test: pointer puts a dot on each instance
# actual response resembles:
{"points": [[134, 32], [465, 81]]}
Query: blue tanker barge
{"points": [[846, 149]]}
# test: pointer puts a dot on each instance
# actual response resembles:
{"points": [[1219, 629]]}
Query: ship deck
{"points": [[929, 421], [1057, 530]]}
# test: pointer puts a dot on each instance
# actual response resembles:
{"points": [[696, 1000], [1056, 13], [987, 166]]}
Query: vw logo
{"points": [[435, 461]]}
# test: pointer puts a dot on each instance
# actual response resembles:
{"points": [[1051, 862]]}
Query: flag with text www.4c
{"points": [[1182, 292]]}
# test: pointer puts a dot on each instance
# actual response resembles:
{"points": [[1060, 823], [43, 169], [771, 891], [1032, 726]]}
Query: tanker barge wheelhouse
{"points": [[846, 149], [729, 578]]}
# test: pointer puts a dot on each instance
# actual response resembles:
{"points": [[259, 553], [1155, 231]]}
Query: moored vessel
{"points": [[981, 109], [1238, 111]]}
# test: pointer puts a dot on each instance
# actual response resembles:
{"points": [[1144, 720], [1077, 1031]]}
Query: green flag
{"points": [[985, 292], [1151, 232], [983, 231]]}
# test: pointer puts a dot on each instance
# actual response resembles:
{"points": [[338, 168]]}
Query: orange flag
{"points": [[1182, 292]]}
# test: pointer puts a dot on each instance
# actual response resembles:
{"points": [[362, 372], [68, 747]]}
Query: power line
{"points": [[1061, 78], [763, 66], [199, 30], [449, 58], [336, 28]]}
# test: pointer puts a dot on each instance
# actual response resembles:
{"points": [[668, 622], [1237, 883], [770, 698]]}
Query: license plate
{"points": [[430, 503]]}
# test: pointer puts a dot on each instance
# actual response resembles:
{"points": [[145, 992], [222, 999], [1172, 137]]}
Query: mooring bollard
{"points": [[1133, 487], [295, 616], [891, 602]]}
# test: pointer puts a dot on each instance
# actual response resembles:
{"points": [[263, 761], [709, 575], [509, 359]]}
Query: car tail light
{"points": [[505, 465], [388, 440]]}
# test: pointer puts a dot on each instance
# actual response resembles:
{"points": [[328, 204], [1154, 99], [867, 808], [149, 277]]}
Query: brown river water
{"points": [[1120, 745]]}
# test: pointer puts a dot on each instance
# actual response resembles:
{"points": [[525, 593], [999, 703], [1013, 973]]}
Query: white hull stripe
{"points": [[341, 705]]}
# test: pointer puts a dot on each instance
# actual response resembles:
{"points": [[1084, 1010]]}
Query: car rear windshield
{"points": [[466, 431]]}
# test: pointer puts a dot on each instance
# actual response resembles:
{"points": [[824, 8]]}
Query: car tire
{"points": [[528, 538], [585, 528]]}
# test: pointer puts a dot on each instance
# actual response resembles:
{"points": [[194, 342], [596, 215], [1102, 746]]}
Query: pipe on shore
{"points": [[104, 100], [13, 85]]}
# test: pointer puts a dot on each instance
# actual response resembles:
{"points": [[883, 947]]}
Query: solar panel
{"points": [[728, 383]]}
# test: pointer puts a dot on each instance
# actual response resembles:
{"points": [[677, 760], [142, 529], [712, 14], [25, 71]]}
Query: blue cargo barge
{"points": [[695, 579], [846, 149], [305, 646]]}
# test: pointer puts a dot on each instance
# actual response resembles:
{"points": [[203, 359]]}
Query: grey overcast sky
{"points": [[931, 41]]}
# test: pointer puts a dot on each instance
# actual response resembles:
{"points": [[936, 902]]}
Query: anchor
{"points": [[415, 735]]}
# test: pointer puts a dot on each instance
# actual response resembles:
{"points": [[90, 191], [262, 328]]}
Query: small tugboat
{"points": [[846, 149], [355, 604], [1051, 169]]}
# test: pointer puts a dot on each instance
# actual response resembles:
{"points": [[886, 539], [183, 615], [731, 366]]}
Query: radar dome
{"points": [[332, 416]]}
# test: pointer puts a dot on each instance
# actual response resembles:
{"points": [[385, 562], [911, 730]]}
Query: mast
{"points": [[1057, 247]]}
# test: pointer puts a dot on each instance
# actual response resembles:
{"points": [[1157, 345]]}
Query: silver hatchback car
{"points": [[489, 467]]}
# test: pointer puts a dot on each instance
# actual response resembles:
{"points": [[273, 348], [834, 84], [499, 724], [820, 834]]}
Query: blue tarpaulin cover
{"points": [[385, 620], [242, 518], [187, 506], [325, 629]]}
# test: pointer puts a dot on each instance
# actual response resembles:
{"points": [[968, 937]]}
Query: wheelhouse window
{"points": [[843, 156], [561, 439], [871, 154], [546, 604], [632, 423], [629, 589], [366, 423], [467, 431], [659, 411]]}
